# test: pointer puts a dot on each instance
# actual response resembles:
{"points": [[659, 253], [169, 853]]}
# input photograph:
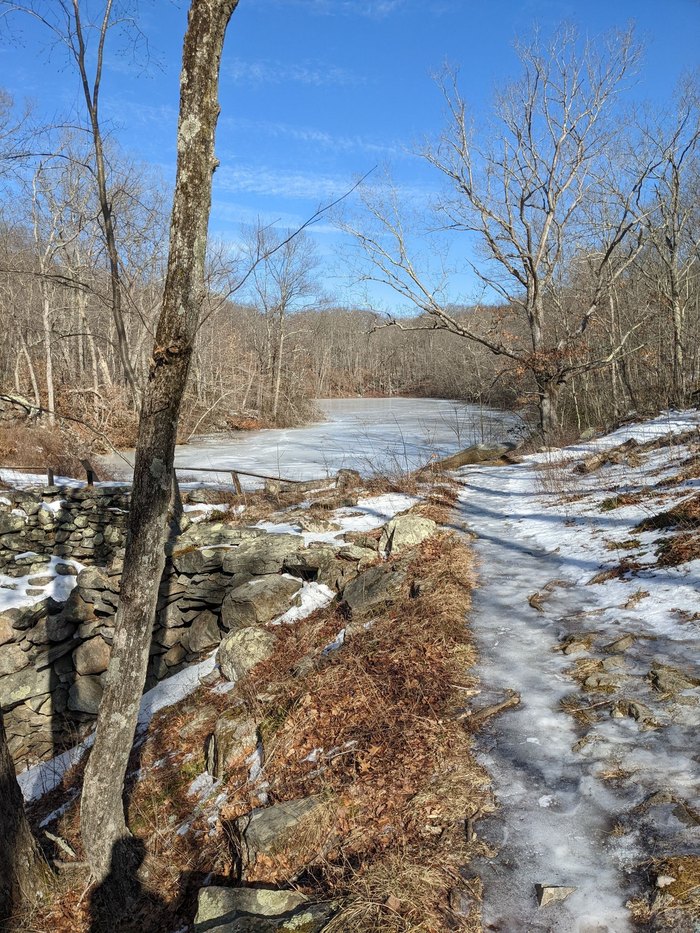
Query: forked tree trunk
{"points": [[102, 813], [22, 869]]}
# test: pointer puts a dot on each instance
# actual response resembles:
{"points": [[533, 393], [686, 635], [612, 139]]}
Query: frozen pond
{"points": [[369, 435]]}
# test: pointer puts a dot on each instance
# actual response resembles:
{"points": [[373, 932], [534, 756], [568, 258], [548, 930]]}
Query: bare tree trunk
{"points": [[278, 379], [23, 871], [48, 351], [32, 373], [102, 813]]}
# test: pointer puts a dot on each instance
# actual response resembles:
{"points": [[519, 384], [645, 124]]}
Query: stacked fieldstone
{"points": [[87, 523], [218, 579]]}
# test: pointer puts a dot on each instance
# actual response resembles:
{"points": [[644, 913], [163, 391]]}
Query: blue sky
{"points": [[314, 93]]}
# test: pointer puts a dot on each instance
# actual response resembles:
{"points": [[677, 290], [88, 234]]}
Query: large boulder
{"points": [[405, 531], [259, 600], [262, 555], [310, 562], [240, 651], [373, 587], [233, 741], [258, 910]]}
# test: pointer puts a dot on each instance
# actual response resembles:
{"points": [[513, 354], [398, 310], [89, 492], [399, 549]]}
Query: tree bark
{"points": [[22, 868], [102, 813]]}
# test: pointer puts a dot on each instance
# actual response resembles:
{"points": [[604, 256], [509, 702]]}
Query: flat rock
{"points": [[24, 684], [12, 659], [240, 651], [373, 587], [259, 600], [257, 910], [405, 531], [269, 831], [552, 893], [264, 555], [217, 534]]}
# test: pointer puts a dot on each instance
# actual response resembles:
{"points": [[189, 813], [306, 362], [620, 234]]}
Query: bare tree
{"points": [[72, 28], [281, 283], [523, 194], [674, 223], [102, 813]]}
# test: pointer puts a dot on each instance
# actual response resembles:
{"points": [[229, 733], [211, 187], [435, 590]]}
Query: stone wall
{"points": [[54, 654], [86, 523]]}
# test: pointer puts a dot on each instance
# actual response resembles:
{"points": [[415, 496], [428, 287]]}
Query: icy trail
{"points": [[556, 813]]}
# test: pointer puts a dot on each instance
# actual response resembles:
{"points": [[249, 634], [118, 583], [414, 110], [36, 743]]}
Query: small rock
{"points": [[373, 587], [620, 644], [269, 831], [663, 881], [634, 709], [173, 656], [552, 893], [671, 681]]}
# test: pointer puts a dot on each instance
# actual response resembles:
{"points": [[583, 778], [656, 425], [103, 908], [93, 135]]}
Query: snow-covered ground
{"points": [[576, 799]]}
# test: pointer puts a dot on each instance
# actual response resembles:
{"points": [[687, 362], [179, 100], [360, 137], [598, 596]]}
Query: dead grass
{"points": [[396, 773], [674, 902], [395, 761], [684, 520]]}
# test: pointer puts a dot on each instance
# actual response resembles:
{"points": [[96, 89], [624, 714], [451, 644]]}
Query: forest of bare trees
{"points": [[581, 214]]}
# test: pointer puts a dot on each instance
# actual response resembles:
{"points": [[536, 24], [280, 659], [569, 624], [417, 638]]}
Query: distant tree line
{"points": [[584, 216]]}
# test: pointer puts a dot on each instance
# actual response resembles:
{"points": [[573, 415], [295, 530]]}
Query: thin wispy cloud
{"points": [[270, 71], [228, 212], [373, 9], [271, 182], [312, 135], [315, 187]]}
